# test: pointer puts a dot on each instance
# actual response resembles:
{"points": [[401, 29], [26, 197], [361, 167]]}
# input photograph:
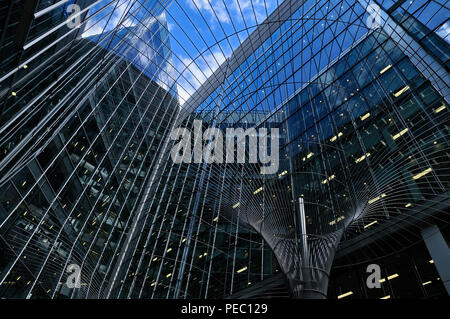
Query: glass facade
{"points": [[86, 176], [83, 118]]}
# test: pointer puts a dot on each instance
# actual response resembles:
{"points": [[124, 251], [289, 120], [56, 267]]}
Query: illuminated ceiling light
{"points": [[25, 66], [386, 68], [236, 205], [184, 239], [440, 108], [368, 225], [328, 179], [257, 191], [241, 270], [392, 276], [373, 200], [425, 172], [155, 259], [431, 261], [386, 297], [398, 93], [168, 275], [282, 173], [408, 205], [309, 155], [359, 160], [216, 219], [426, 283], [337, 220], [334, 138], [13, 93], [396, 136], [169, 250], [365, 116], [345, 295], [389, 278]]}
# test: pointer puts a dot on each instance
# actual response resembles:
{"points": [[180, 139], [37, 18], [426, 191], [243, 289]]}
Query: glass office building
{"points": [[358, 90], [84, 115]]}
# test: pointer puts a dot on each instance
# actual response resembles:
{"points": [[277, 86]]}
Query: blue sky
{"points": [[203, 33]]}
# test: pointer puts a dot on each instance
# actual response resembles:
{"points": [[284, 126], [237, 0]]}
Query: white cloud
{"points": [[210, 7], [91, 30], [97, 24], [236, 8], [250, 9], [195, 72], [170, 26], [444, 32]]}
